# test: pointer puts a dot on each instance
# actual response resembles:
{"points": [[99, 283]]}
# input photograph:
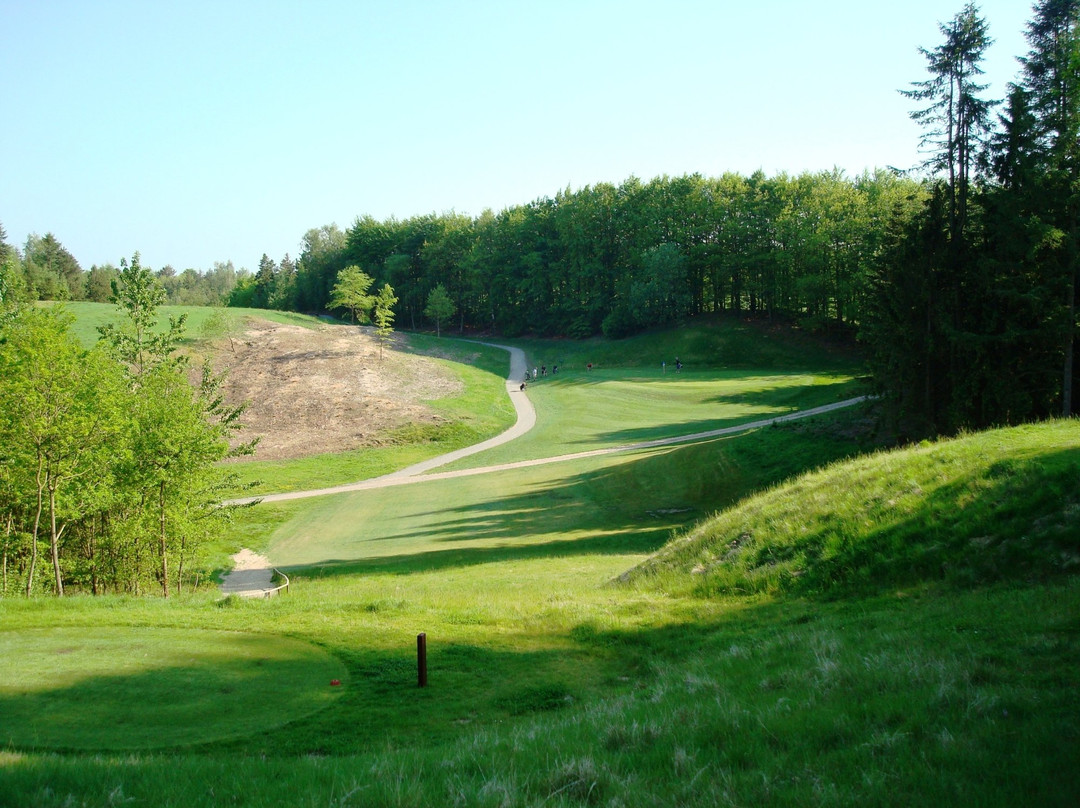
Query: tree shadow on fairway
{"points": [[633, 542], [629, 507], [766, 404]]}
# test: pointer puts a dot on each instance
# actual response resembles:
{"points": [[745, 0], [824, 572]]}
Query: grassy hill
{"points": [[992, 506], [89, 316]]}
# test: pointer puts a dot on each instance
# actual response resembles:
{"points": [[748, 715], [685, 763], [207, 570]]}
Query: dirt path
{"points": [[250, 576]]}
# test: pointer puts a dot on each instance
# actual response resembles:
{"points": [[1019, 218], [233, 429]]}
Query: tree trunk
{"points": [[54, 542], [7, 538], [1067, 380], [180, 565], [34, 534], [161, 538]]}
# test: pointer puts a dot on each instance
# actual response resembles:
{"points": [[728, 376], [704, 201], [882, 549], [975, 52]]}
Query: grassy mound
{"points": [[995, 505]]}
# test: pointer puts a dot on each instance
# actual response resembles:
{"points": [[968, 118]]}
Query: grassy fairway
{"points": [[580, 411]]}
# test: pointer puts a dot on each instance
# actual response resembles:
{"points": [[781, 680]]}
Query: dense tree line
{"points": [[45, 270], [973, 315], [617, 259], [108, 479]]}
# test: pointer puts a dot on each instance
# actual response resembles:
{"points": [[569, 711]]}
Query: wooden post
{"points": [[421, 660]]}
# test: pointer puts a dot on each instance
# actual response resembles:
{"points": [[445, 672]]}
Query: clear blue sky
{"points": [[197, 132]]}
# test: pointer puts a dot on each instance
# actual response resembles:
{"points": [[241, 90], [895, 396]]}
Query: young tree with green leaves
{"points": [[350, 292], [178, 432], [439, 307], [138, 294], [384, 315], [60, 413]]}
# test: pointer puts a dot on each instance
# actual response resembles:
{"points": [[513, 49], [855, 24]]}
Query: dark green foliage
{"points": [[973, 310], [620, 259]]}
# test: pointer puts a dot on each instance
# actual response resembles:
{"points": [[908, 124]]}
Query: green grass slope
{"points": [[1003, 504], [90, 316]]}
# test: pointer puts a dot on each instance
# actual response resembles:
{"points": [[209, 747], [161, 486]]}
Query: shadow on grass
{"points": [[631, 507], [716, 686], [769, 403], [638, 541]]}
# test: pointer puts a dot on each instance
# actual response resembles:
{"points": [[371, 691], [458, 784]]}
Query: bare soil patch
{"points": [[312, 391]]}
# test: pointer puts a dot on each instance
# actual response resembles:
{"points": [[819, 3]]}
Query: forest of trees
{"points": [[973, 304]]}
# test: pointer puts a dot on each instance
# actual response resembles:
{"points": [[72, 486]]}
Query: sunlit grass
{"points": [[582, 411], [90, 316], [993, 505]]}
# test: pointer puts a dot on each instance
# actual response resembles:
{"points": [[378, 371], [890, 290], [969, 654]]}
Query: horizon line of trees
{"points": [[45, 270], [616, 259]]}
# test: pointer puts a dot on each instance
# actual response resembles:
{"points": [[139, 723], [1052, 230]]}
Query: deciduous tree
{"points": [[439, 307], [351, 293]]}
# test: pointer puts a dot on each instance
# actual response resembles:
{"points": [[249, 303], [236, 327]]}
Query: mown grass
{"points": [[581, 695], [582, 411], [714, 342], [619, 503], [71, 688]]}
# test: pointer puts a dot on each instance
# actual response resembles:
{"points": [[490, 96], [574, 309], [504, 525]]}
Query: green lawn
{"points": [[579, 411]]}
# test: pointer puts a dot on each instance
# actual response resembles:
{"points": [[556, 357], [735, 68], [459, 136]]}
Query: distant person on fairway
{"points": [[678, 365]]}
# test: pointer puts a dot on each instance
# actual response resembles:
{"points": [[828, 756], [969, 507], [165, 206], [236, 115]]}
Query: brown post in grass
{"points": [[421, 660]]}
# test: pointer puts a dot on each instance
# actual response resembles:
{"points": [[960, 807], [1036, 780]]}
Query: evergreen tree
{"points": [[957, 120], [1051, 82], [384, 315]]}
